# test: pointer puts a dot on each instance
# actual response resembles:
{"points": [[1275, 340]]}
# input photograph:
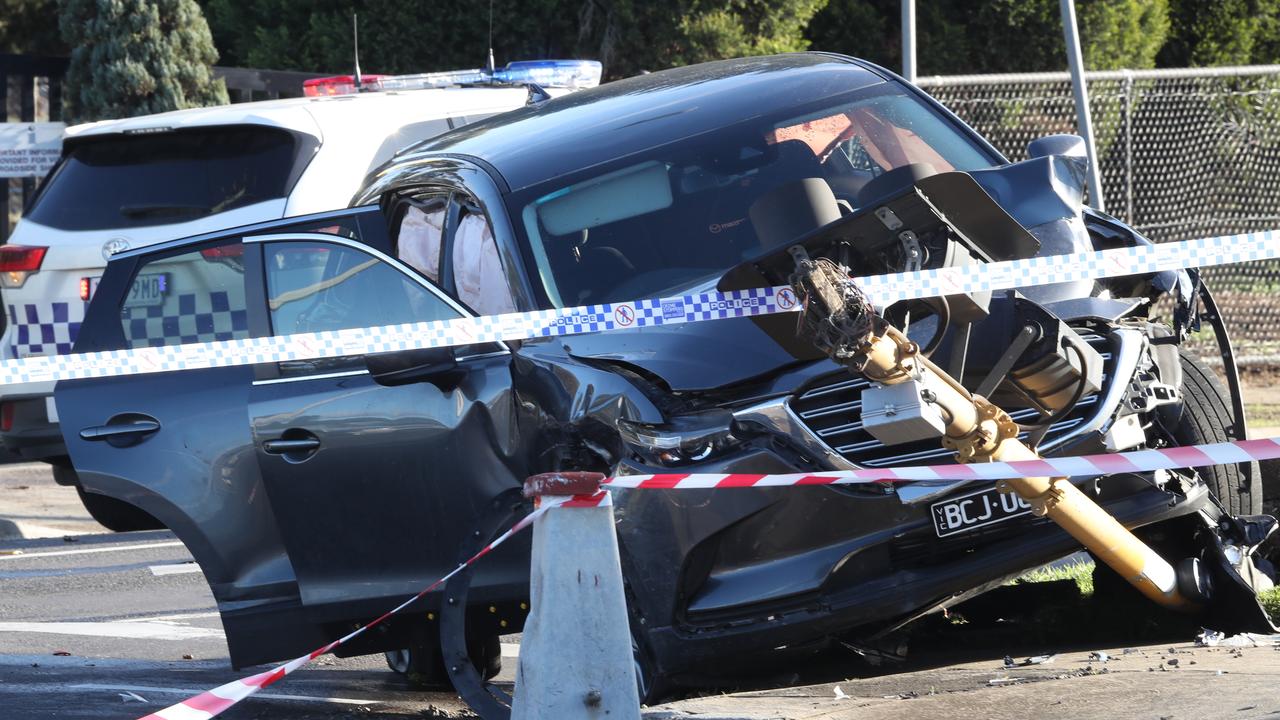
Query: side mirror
{"points": [[1066, 145], [436, 365]]}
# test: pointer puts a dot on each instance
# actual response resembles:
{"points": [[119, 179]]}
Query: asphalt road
{"points": [[116, 626], [119, 625]]}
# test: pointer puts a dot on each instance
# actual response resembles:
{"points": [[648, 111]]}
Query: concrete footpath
{"points": [[1178, 681]]}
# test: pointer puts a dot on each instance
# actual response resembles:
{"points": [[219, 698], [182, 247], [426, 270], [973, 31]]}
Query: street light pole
{"points": [[1075, 60], [909, 40]]}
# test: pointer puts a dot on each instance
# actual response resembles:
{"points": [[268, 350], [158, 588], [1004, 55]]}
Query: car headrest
{"points": [[893, 182], [791, 210]]}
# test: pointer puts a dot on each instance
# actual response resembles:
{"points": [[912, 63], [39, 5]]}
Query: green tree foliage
{"points": [[1222, 32], [628, 36], [716, 30], [961, 36], [137, 57], [28, 27], [395, 36], [1118, 34]]}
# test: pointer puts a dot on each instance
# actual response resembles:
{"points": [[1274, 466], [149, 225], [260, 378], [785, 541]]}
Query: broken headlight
{"points": [[682, 440]]}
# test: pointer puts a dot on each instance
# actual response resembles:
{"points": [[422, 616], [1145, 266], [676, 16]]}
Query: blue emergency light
{"points": [[572, 74]]}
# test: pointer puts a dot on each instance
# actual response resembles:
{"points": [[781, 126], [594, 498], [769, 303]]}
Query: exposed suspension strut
{"points": [[839, 320]]}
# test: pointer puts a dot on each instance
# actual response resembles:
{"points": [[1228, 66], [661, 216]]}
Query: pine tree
{"points": [[137, 57]]}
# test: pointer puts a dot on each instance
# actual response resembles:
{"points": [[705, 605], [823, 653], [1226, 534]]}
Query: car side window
{"points": [[342, 226], [315, 286], [198, 296], [419, 234], [478, 274]]}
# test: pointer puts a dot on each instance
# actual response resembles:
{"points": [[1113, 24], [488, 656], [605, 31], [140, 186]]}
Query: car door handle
{"points": [[130, 429], [289, 447]]}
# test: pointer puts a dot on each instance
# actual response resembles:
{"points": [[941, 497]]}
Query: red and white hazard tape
{"points": [[213, 702], [1224, 453]]}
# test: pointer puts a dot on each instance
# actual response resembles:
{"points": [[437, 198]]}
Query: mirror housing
{"points": [[1062, 144], [403, 367]]}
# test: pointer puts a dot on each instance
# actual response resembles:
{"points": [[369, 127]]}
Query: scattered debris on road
{"points": [[1213, 638], [1033, 660]]}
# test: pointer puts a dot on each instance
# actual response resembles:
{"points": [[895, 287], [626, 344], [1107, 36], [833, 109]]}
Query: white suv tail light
{"points": [[19, 261]]}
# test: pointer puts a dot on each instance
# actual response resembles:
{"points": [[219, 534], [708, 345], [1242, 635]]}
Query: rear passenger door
{"points": [[176, 444], [375, 488]]}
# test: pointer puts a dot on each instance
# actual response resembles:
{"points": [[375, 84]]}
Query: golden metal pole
{"points": [[981, 432]]}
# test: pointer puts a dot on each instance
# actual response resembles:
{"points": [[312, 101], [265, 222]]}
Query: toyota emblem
{"points": [[113, 246]]}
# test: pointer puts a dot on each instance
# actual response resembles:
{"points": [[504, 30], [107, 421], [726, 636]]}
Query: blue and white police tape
{"points": [[697, 307]]}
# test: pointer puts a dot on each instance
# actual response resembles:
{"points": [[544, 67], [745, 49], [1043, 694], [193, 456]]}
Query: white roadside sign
{"points": [[29, 149]]}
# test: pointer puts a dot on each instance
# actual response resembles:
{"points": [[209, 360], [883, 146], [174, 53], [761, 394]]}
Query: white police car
{"points": [[129, 183]]}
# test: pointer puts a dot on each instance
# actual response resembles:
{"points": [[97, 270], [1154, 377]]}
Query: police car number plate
{"points": [[149, 289], [975, 510]]}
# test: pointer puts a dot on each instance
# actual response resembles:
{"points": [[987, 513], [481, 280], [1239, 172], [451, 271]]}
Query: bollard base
{"points": [[576, 656]]}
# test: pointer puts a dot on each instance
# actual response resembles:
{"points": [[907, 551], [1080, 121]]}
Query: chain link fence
{"points": [[1184, 154]]}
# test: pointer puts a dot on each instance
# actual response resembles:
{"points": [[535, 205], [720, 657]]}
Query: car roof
{"points": [[539, 142], [318, 115]]}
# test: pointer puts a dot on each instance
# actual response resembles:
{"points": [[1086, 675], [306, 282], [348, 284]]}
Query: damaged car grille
{"points": [[831, 409]]}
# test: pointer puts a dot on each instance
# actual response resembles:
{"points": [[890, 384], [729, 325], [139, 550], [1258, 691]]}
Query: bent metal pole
{"points": [[841, 322]]}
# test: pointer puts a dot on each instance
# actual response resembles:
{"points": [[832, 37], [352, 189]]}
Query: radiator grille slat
{"points": [[831, 408]]}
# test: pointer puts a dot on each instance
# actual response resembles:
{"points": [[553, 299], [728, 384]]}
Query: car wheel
{"points": [[649, 685], [423, 668], [399, 660], [1204, 416], [420, 665], [117, 515], [111, 513]]}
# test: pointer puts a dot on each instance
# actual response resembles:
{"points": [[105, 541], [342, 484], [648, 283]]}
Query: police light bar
{"points": [[339, 85], [572, 74]]}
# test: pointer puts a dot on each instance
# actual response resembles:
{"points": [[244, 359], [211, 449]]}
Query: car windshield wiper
{"points": [[141, 211]]}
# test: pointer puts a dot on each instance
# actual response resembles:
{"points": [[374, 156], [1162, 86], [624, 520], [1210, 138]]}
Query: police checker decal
{"points": [[883, 290], [975, 510]]}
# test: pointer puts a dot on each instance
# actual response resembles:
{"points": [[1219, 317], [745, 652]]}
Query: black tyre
{"points": [[115, 514], [651, 686], [1205, 416], [111, 513], [423, 668]]}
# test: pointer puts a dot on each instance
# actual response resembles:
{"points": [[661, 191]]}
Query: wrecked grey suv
{"points": [[316, 494]]}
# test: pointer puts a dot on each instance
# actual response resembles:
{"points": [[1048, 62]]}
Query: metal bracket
{"points": [[1021, 342], [1145, 397], [1041, 504], [489, 701], [888, 218], [911, 251]]}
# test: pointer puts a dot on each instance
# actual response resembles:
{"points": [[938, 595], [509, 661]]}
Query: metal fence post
{"points": [[27, 97], [1126, 109], [4, 182]]}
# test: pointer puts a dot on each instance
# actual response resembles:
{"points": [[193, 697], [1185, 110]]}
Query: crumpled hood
{"points": [[691, 356]]}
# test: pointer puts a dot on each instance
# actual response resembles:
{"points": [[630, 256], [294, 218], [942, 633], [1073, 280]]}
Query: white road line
{"points": [[87, 551], [196, 691], [134, 630], [170, 618], [510, 650], [175, 569]]}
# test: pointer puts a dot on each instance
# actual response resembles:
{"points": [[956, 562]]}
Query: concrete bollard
{"points": [[575, 655]]}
